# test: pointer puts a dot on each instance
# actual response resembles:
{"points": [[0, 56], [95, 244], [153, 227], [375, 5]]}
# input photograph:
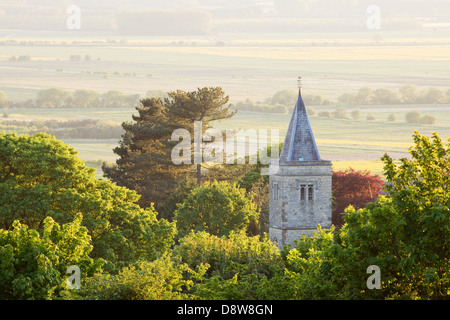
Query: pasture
{"points": [[250, 66], [347, 143]]}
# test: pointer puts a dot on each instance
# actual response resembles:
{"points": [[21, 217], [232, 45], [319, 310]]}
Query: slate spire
{"points": [[299, 144]]}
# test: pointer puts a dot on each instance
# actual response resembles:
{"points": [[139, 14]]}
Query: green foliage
{"points": [[420, 191], [41, 177], [405, 233], [309, 266], [69, 129], [228, 255], [284, 97], [413, 116], [33, 264], [240, 267], [218, 208], [161, 279], [145, 151]]}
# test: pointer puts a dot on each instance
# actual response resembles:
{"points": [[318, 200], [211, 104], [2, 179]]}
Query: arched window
{"points": [[310, 192]]}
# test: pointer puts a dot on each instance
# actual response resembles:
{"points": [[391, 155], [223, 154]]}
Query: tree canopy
{"points": [[145, 151], [41, 177], [217, 208], [405, 233]]}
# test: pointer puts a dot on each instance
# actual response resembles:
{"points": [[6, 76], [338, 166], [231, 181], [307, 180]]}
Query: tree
{"points": [[428, 119], [41, 177], [217, 208], [384, 96], [205, 105], [391, 117], [117, 99], [356, 114], [161, 279], [340, 113], [85, 98], [356, 188], [52, 98], [284, 97], [420, 192], [408, 94], [347, 99], [145, 161], [363, 96], [239, 266], [432, 95], [413, 116], [34, 264], [405, 233]]}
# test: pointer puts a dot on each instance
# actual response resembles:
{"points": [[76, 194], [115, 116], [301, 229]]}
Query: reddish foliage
{"points": [[356, 188]]}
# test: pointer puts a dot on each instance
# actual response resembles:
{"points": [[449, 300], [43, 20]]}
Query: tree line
{"points": [[70, 129], [283, 101], [82, 98]]}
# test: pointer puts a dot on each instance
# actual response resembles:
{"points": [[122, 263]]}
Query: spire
{"points": [[299, 144]]}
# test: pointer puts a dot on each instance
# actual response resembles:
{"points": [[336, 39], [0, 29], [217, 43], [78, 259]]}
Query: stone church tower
{"points": [[300, 192]]}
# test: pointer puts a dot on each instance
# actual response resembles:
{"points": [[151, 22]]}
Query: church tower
{"points": [[300, 191]]}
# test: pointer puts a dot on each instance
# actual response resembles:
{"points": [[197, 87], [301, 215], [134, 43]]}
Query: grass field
{"points": [[347, 143], [250, 66]]}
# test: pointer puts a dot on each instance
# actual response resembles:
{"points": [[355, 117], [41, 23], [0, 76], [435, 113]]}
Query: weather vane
{"points": [[299, 82]]}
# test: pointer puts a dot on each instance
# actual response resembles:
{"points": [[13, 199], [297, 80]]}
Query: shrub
{"points": [[413, 116], [218, 208], [391, 118], [428, 119]]}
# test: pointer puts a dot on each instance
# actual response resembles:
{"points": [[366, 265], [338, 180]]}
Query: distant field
{"points": [[252, 66], [248, 66], [348, 143]]}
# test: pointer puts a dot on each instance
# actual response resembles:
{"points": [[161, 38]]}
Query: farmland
{"points": [[348, 143], [245, 66]]}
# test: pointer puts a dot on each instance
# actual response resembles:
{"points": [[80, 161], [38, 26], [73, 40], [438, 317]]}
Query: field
{"points": [[246, 66], [347, 143]]}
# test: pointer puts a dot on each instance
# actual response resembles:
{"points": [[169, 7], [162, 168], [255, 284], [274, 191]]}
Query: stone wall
{"points": [[290, 215]]}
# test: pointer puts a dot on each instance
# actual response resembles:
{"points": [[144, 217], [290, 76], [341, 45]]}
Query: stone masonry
{"points": [[300, 192]]}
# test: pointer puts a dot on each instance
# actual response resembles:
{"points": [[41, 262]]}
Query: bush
{"points": [[325, 114], [33, 263], [404, 232], [41, 177], [218, 208], [413, 116], [241, 267], [428, 119], [161, 279], [340, 113], [310, 111], [391, 118], [356, 114]]}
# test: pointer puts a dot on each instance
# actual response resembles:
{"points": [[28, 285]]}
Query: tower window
{"points": [[310, 192], [302, 192], [275, 191]]}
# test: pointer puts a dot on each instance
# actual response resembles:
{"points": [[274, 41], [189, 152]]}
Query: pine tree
{"points": [[145, 164], [205, 105]]}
